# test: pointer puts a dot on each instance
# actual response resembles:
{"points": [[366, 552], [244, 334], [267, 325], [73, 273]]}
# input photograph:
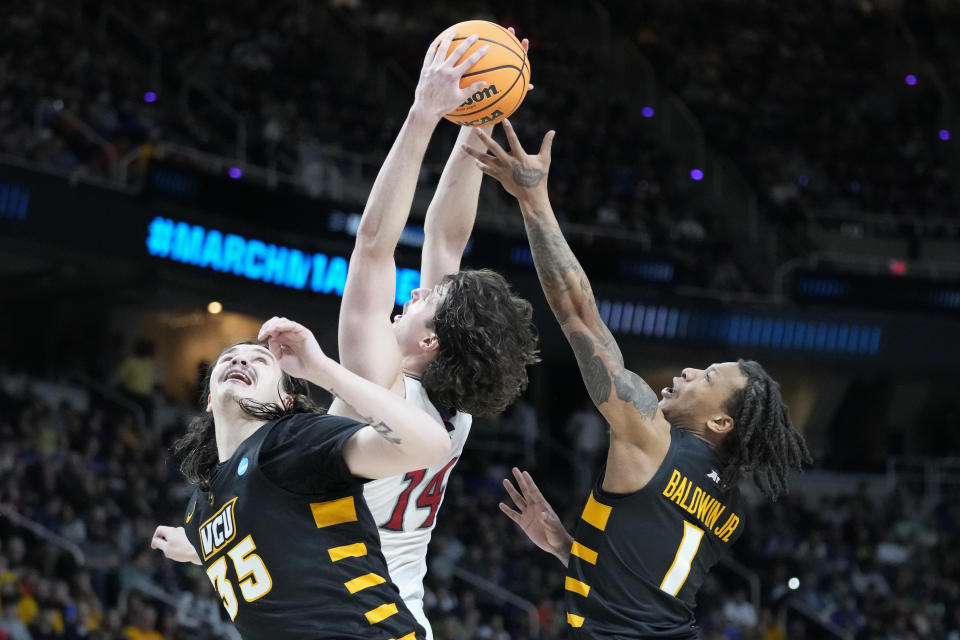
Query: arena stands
{"points": [[874, 560], [838, 112]]}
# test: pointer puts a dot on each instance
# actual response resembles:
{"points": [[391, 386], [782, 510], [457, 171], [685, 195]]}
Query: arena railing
{"points": [[113, 396], [43, 533], [747, 575], [114, 28], [49, 107], [933, 477], [194, 86], [791, 604], [502, 595], [877, 223]]}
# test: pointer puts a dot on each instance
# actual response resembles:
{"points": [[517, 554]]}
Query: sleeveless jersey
{"points": [[405, 507], [296, 566], [638, 559]]}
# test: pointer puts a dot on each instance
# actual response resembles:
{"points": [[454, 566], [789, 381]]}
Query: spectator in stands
{"points": [[588, 432], [10, 623], [140, 376]]}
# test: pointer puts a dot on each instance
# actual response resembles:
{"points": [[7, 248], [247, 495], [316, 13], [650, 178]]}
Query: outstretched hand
{"points": [[438, 90], [535, 516], [519, 172]]}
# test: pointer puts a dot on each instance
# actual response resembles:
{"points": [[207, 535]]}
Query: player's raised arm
{"points": [[452, 212], [453, 209], [625, 400], [367, 344], [401, 436]]}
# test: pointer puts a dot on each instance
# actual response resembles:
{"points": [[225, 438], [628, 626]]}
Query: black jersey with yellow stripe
{"points": [[296, 566], [638, 559]]}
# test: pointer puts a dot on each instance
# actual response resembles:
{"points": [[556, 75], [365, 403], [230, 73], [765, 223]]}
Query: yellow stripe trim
{"points": [[348, 551], [571, 584], [369, 580], [584, 553], [382, 612], [595, 513], [574, 620], [410, 636], [327, 514]]}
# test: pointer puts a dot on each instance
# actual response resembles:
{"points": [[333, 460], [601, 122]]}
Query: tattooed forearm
{"points": [[594, 371], [384, 431], [378, 425], [527, 177], [631, 388], [597, 374], [552, 256]]}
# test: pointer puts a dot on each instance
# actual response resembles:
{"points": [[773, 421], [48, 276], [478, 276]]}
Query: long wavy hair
{"points": [[763, 442], [197, 448], [487, 340]]}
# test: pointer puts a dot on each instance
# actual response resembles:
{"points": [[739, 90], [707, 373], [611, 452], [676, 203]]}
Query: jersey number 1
{"points": [[680, 569], [429, 498]]}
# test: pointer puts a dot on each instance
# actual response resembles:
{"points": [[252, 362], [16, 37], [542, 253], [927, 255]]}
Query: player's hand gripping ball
{"points": [[505, 68]]}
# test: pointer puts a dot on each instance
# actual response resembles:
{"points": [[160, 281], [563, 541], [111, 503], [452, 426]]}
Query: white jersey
{"points": [[405, 506]]}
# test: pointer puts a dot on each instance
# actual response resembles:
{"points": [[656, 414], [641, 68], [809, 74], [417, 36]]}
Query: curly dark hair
{"points": [[197, 449], [487, 339], [763, 442]]}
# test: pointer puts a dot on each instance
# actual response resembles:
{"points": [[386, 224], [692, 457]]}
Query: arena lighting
{"points": [[647, 112], [740, 329], [898, 267], [14, 201], [257, 260], [214, 307], [696, 174], [793, 583], [910, 79], [235, 173], [944, 134], [149, 96]]}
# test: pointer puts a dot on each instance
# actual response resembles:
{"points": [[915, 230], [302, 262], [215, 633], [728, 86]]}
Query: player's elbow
{"points": [[371, 244], [436, 448]]}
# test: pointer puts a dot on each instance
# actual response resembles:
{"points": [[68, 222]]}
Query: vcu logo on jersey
{"points": [[218, 530]]}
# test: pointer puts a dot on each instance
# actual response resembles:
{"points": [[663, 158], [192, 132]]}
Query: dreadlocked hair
{"points": [[487, 339], [197, 449], [763, 442]]}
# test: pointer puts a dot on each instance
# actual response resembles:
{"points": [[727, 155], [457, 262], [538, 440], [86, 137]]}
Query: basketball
{"points": [[505, 68]]}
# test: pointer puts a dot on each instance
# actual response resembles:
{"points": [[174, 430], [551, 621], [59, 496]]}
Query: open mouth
{"points": [[669, 392], [238, 374]]}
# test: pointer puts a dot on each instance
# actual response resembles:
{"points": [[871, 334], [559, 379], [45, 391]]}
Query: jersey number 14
{"points": [[430, 497]]}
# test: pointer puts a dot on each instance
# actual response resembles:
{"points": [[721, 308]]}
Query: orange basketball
{"points": [[505, 67]]}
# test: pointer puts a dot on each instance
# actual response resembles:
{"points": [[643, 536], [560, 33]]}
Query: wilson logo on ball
{"points": [[483, 94], [505, 69]]}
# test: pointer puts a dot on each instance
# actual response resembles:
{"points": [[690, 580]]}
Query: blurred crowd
{"points": [[273, 82], [818, 105], [828, 106], [878, 563]]}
